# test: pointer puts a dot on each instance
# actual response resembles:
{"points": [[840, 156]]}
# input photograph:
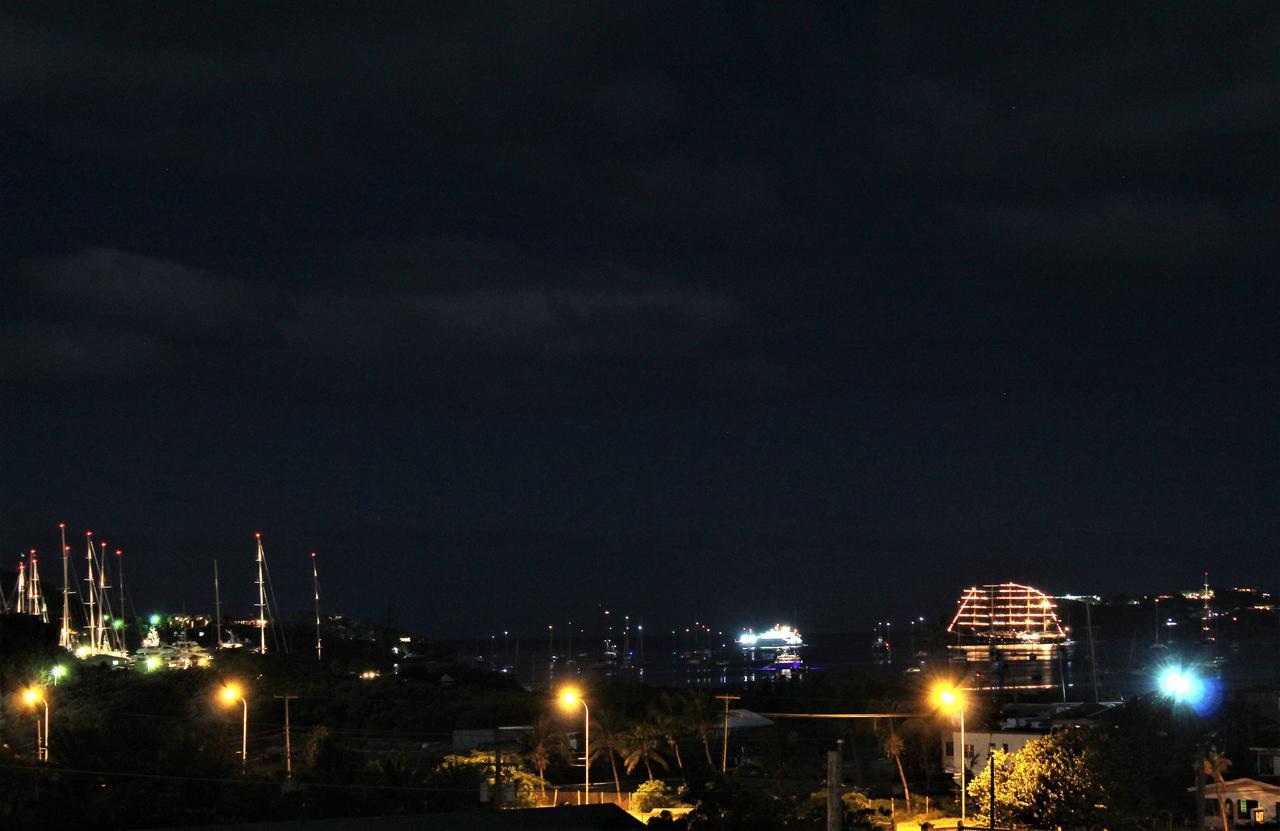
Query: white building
{"points": [[977, 748], [1245, 798]]}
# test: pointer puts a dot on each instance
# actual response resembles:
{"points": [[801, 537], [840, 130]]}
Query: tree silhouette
{"points": [[543, 743], [642, 746], [1215, 765], [892, 743], [671, 722], [612, 739], [699, 713]]}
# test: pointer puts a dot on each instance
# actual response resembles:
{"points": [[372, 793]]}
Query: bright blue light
{"points": [[1184, 686]]}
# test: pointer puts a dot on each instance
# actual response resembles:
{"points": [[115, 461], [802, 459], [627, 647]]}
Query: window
{"points": [[970, 752], [1005, 748], [951, 751]]}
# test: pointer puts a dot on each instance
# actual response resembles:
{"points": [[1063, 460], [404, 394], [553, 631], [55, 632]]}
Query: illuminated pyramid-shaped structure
{"points": [[1007, 612]]}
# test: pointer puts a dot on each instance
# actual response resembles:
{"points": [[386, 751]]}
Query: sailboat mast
{"points": [[38, 608], [315, 586], [217, 604], [120, 613], [91, 620], [64, 637], [22, 585], [262, 602], [1205, 631], [103, 641]]}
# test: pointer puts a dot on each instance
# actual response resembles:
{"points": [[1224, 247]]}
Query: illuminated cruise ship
{"points": [[780, 645]]}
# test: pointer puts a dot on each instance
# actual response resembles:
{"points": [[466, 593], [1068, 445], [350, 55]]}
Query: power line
{"points": [[268, 782]]}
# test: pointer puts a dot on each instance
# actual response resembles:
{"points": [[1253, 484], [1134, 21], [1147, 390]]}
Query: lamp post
{"points": [[230, 694], [950, 697], [569, 698], [32, 696]]}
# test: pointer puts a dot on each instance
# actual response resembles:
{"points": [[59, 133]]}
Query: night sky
{"points": [[726, 311]]}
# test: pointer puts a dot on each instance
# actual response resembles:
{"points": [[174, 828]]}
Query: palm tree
{"points": [[1215, 765], [893, 750], [671, 723], [699, 710], [642, 746], [610, 743], [893, 744], [544, 742]]}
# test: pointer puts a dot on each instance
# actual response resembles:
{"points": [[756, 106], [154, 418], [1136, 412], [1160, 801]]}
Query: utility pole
{"points": [[1200, 784], [991, 776], [724, 753], [835, 768], [288, 746]]}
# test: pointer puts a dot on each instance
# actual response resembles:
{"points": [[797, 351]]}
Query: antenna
{"points": [[217, 604], [262, 600], [315, 585]]}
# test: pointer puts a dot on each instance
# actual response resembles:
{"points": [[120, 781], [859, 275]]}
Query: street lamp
{"points": [[952, 698], [32, 696], [230, 694], [57, 673], [569, 699]]}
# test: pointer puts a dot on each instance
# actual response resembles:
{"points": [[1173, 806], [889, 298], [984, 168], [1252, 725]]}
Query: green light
{"points": [[58, 671], [117, 624], [152, 663], [155, 620]]}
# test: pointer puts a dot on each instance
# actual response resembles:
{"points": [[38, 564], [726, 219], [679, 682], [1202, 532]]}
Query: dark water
{"points": [[1120, 668]]}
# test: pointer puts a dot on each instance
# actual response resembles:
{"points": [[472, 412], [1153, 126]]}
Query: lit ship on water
{"points": [[779, 646], [1007, 624]]}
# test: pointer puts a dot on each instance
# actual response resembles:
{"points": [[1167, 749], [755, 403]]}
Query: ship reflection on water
{"points": [[773, 650], [1015, 666]]}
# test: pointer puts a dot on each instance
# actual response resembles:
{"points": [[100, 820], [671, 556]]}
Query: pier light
{"points": [[57, 673], [570, 698]]}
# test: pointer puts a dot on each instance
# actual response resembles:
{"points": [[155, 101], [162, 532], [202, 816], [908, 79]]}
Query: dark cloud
{"points": [[855, 281], [124, 316]]}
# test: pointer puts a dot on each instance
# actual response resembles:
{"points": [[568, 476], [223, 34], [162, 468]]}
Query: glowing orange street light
{"points": [[951, 698], [230, 694], [32, 696], [570, 698]]}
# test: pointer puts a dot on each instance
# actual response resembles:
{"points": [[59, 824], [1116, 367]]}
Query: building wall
{"points": [[1251, 793], [978, 744]]}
